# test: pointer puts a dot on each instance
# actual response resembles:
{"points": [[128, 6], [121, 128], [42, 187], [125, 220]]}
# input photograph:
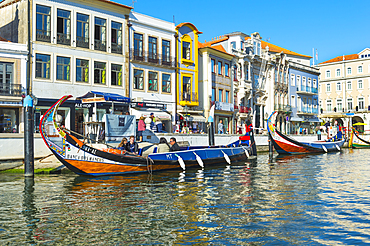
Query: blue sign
{"points": [[350, 113]]}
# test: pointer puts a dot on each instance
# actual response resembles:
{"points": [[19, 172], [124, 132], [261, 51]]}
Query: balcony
{"points": [[307, 110], [42, 35], [11, 90], [221, 79], [63, 38], [117, 49], [189, 97], [244, 110], [283, 108], [100, 45], [152, 58], [306, 90], [82, 42]]}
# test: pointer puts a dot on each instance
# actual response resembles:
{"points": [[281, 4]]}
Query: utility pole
{"points": [[28, 110]]}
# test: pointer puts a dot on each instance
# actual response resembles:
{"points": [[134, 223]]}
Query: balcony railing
{"points": [[82, 42], [283, 107], [307, 89], [63, 38], [100, 45], [116, 48], [244, 110], [42, 35], [308, 110], [221, 79], [152, 58], [10, 90], [189, 96]]}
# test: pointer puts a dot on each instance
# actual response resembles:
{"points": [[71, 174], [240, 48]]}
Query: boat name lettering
{"points": [[84, 158], [89, 150]]}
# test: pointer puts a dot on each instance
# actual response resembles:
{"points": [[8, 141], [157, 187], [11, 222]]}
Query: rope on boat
{"points": [[149, 165]]}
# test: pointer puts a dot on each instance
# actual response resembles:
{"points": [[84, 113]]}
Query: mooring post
{"points": [[211, 134]]}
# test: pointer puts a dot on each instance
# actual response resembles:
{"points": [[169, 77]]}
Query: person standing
{"points": [[318, 134], [220, 127], [174, 145], [158, 124], [140, 128]]}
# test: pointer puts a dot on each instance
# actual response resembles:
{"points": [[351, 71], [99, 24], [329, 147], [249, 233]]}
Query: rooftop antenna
{"points": [[133, 3]]}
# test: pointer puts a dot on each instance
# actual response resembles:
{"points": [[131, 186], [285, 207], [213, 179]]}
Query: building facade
{"points": [[344, 89]]}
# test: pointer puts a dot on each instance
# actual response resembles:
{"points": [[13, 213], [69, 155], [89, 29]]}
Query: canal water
{"points": [[292, 200]]}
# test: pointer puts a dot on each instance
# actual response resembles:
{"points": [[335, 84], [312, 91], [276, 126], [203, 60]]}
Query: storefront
{"points": [[10, 112], [225, 112], [192, 123]]}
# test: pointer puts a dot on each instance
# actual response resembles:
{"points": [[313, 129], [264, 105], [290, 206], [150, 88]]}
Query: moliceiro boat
{"points": [[358, 142], [286, 145], [85, 159]]}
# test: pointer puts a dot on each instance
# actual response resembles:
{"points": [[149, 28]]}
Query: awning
{"points": [[295, 119], [315, 120], [146, 114], [193, 117], [103, 96]]}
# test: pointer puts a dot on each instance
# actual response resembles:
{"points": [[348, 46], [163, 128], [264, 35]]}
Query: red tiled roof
{"points": [[216, 47], [340, 58], [209, 43], [188, 23], [277, 49]]}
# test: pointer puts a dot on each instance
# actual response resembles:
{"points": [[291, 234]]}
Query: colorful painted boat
{"points": [[85, 159], [358, 142], [286, 145]]}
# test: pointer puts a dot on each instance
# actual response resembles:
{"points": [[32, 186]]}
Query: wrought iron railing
{"points": [[116, 48], [63, 38], [100, 45], [307, 89], [42, 35], [82, 42], [283, 107], [152, 58], [190, 96], [10, 90]]}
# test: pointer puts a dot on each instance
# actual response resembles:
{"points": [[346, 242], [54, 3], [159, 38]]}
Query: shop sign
{"points": [[3, 103], [148, 105], [82, 105], [224, 106], [91, 100]]}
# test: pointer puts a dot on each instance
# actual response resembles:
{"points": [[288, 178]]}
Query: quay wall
{"points": [[12, 145]]}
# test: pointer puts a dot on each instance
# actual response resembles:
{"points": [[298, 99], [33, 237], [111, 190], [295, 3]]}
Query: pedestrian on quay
{"points": [[318, 134], [140, 128], [220, 128]]}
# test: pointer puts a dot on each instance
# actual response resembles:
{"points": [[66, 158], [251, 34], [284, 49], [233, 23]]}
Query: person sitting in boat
{"points": [[163, 146], [123, 144], [132, 146], [174, 145]]}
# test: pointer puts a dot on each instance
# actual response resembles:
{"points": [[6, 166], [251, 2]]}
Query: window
{"points": [[7, 86], [100, 34], [339, 105], [328, 105], [116, 46], [213, 98], [349, 85], [292, 101], [298, 80], [42, 66], [116, 74], [276, 75], [241, 45], [359, 69], [213, 65], [63, 68], [82, 37], [328, 87], [349, 103], [99, 73], [166, 47], [186, 50], [153, 81], [349, 71], [233, 45], [138, 79], [314, 83], [339, 87], [186, 88], [220, 95], [338, 72], [292, 80], [82, 70], [227, 93], [152, 48], [64, 27], [227, 70], [138, 46], [220, 68], [309, 82], [360, 85], [43, 23], [166, 83], [303, 80], [361, 103], [328, 74]]}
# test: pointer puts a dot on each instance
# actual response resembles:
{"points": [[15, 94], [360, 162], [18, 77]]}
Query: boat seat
{"points": [[140, 151], [155, 149]]}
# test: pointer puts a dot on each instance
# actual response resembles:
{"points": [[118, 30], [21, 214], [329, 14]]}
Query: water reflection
{"points": [[307, 199]]}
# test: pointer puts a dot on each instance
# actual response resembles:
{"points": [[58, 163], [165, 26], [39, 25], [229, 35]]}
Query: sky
{"points": [[333, 27]]}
